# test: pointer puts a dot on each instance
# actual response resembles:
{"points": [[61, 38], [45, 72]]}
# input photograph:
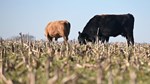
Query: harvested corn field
{"points": [[39, 62]]}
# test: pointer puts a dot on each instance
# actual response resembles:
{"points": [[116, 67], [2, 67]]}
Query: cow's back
{"points": [[58, 28], [112, 25]]}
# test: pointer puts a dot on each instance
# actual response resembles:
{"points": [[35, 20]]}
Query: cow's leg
{"points": [[107, 39], [102, 39], [65, 39], [130, 39], [92, 39], [56, 39], [49, 38]]}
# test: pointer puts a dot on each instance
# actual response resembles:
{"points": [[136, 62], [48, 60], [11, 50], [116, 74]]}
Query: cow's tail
{"points": [[67, 25], [131, 37]]}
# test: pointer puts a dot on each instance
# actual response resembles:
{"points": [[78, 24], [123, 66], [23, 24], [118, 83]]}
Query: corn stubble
{"points": [[39, 62]]}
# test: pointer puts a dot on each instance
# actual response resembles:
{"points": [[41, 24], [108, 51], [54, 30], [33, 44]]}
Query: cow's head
{"points": [[82, 38]]}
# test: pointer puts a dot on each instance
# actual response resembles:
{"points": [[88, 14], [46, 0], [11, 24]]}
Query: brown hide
{"points": [[57, 29]]}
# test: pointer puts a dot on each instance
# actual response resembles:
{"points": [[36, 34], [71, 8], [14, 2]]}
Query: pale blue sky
{"points": [[32, 16]]}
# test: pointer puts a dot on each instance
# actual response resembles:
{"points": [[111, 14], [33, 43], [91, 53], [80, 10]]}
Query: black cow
{"points": [[105, 26]]}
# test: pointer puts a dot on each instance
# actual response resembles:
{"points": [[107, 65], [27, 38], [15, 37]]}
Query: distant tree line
{"points": [[24, 37]]}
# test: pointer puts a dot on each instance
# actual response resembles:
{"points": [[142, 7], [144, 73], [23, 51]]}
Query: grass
{"points": [[55, 63]]}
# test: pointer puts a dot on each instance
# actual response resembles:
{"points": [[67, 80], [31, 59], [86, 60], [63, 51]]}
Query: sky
{"points": [[32, 16]]}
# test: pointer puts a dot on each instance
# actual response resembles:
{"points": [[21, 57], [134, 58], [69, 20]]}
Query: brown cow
{"points": [[57, 29]]}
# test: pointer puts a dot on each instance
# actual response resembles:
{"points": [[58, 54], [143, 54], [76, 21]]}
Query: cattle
{"points": [[104, 26], [57, 29]]}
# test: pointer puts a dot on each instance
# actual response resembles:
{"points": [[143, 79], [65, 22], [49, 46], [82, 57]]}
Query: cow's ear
{"points": [[79, 32]]}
